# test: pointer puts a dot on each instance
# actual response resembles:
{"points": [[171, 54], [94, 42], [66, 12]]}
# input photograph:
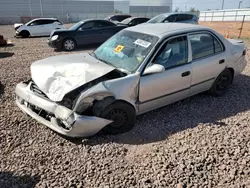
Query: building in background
{"points": [[22, 10]]}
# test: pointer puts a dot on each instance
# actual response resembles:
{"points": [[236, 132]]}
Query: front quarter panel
{"points": [[125, 88]]}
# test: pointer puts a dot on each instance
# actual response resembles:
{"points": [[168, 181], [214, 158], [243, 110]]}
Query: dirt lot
{"points": [[199, 142], [230, 27]]}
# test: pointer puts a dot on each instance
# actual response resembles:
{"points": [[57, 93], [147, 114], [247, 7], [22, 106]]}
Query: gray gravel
{"points": [[199, 142]]}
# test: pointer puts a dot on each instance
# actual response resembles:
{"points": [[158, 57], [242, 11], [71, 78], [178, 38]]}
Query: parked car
{"points": [[91, 31], [38, 27], [117, 17], [175, 17], [132, 21], [139, 69]]}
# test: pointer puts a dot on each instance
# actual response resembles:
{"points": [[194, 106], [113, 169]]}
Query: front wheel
{"points": [[69, 44], [222, 83], [123, 116], [25, 34]]}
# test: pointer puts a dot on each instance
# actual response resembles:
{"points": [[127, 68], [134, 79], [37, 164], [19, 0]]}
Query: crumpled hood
{"points": [[56, 76], [17, 25]]}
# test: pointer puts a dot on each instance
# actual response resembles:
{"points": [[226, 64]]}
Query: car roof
{"points": [[119, 15], [163, 29], [173, 13], [45, 19], [95, 19], [133, 17]]}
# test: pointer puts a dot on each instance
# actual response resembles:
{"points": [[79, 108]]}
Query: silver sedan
{"points": [[139, 69]]}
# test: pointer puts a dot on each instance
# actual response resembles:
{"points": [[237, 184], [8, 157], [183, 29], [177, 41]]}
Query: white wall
{"points": [[225, 15]]}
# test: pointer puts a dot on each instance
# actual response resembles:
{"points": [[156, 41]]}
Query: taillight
{"points": [[244, 52]]}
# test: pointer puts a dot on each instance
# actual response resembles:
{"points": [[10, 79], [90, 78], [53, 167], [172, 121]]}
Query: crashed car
{"points": [[137, 70], [38, 27]]}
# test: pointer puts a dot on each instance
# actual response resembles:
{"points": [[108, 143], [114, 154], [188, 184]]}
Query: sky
{"points": [[209, 4]]}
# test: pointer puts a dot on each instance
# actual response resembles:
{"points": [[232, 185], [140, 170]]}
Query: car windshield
{"points": [[29, 22], [157, 19], [74, 27], [126, 50], [126, 21]]}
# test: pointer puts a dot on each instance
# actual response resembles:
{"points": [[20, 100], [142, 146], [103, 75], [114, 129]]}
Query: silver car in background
{"points": [[139, 69]]}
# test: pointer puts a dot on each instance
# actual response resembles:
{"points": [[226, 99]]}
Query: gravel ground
{"points": [[199, 142]]}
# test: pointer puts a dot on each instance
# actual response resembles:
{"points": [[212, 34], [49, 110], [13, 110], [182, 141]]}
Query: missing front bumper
{"points": [[47, 112]]}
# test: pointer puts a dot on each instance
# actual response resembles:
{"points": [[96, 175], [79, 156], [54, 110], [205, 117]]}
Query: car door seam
{"points": [[149, 100], [202, 82]]}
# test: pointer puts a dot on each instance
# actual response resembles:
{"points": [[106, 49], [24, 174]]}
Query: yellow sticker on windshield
{"points": [[119, 48]]}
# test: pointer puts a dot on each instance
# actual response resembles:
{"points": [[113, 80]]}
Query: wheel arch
{"points": [[232, 72], [26, 30]]}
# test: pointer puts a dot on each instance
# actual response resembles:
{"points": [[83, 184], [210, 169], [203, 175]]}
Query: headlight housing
{"points": [[55, 37]]}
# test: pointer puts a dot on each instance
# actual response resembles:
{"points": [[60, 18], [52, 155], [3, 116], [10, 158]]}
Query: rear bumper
{"points": [[58, 118], [240, 66]]}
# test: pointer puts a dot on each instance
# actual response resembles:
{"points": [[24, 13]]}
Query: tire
{"points": [[123, 116], [25, 34], [222, 83], [69, 44]]}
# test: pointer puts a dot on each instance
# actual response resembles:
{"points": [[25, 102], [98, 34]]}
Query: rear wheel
{"points": [[222, 83], [123, 116], [25, 34], [69, 44]]}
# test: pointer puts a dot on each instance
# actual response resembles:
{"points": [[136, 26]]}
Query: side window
{"points": [[47, 22], [141, 20], [189, 17], [181, 17], [134, 21], [173, 53], [101, 24], [86, 26], [184, 17], [203, 45], [172, 18], [37, 22], [217, 46]]}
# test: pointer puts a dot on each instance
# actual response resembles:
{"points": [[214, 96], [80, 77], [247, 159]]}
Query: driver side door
{"points": [[86, 34], [36, 28], [159, 89]]}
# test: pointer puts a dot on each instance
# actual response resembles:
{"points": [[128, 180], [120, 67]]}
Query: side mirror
{"points": [[155, 68]]}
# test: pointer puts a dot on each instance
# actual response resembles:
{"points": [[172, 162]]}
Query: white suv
{"points": [[38, 27]]}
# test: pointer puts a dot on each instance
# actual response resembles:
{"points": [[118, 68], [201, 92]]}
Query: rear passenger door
{"points": [[48, 26], [104, 30], [86, 34], [208, 60]]}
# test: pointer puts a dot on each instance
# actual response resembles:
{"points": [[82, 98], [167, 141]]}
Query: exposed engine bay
{"points": [[70, 98]]}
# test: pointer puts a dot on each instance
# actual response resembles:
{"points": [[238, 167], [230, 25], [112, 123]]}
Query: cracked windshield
{"points": [[126, 50]]}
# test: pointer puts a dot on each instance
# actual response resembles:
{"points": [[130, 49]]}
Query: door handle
{"points": [[185, 73], [222, 61]]}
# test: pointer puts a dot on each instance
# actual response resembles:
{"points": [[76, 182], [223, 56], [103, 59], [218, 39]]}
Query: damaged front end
{"points": [[76, 115]]}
